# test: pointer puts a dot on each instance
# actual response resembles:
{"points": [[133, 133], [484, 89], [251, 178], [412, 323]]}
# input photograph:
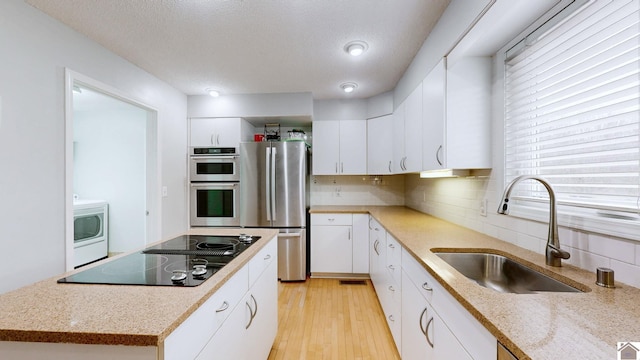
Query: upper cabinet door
{"points": [[433, 117], [353, 147], [380, 145], [398, 139], [340, 147], [468, 114], [217, 132], [413, 131], [326, 147]]}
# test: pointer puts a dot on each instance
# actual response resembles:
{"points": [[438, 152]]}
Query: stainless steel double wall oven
{"points": [[215, 186]]}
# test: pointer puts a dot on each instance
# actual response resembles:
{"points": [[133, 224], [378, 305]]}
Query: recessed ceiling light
{"points": [[213, 93], [348, 87], [356, 48]]}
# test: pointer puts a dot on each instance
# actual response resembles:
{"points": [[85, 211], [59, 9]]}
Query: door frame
{"points": [[153, 174]]}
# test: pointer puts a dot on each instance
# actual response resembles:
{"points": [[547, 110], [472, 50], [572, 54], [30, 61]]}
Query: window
{"points": [[572, 110]]}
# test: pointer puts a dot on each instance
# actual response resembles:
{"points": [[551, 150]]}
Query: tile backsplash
{"points": [[458, 200], [357, 190]]}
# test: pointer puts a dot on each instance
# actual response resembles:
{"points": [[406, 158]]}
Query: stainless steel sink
{"points": [[502, 274]]}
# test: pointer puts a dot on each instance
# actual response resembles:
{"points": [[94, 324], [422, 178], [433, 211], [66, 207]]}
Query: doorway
{"points": [[111, 156]]}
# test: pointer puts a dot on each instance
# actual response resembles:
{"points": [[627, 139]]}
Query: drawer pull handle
{"points": [[225, 306], [391, 267], [392, 289], [391, 318], [392, 246], [267, 257], [426, 287]]}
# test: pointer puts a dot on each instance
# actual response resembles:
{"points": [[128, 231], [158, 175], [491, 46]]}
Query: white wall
{"points": [[110, 164], [252, 105], [35, 50]]}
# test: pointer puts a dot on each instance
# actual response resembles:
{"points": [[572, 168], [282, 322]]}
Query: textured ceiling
{"points": [[258, 46]]}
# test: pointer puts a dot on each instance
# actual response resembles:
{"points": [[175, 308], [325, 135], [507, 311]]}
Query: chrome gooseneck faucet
{"points": [[554, 254]]}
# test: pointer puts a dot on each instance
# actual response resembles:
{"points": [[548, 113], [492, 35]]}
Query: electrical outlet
{"points": [[338, 189], [483, 207]]}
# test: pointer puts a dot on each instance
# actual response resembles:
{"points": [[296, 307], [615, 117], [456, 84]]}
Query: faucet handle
{"points": [[559, 253]]}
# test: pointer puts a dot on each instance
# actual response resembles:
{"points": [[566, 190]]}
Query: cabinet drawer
{"points": [[394, 265], [331, 219], [193, 334], [262, 259], [418, 275]]}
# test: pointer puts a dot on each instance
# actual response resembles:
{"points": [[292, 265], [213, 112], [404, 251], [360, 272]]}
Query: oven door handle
{"points": [[212, 184], [197, 158]]}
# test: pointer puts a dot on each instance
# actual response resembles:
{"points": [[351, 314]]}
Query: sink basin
{"points": [[502, 274]]}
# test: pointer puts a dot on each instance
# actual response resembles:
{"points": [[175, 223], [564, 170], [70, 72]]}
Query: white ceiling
{"points": [[258, 46]]}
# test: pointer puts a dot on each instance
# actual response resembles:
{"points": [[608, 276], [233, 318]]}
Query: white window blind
{"points": [[572, 97]]}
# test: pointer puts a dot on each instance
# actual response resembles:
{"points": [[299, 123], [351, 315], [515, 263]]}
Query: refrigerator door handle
{"points": [[273, 184], [268, 182]]}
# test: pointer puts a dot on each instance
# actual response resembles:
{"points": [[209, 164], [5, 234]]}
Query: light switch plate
{"points": [[483, 207]]}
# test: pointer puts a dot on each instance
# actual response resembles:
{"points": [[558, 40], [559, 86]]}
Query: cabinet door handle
{"points": [[438, 152], [336, 168], [392, 246], [251, 317], [426, 287], [390, 167], [423, 330], [427, 332], [213, 139], [218, 139], [391, 318], [342, 168], [391, 288], [349, 234], [267, 257], [370, 218], [225, 306], [391, 267], [375, 247], [251, 311]]}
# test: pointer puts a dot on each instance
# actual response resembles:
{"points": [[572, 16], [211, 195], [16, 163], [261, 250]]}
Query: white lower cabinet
{"points": [[424, 334], [339, 244], [377, 246], [449, 330], [255, 318], [245, 306]]}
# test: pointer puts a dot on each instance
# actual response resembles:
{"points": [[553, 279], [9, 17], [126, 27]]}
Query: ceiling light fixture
{"points": [[213, 93], [356, 48], [348, 87]]}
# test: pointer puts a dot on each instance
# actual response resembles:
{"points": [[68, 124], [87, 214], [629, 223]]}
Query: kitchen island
{"points": [[585, 325], [79, 321]]}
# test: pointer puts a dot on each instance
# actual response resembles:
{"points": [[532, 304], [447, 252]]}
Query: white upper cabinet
{"points": [[456, 115], [407, 122], [433, 105], [220, 132], [340, 147], [413, 131], [380, 145], [398, 138]]}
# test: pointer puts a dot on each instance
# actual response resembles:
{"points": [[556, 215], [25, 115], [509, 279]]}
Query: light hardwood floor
{"points": [[322, 319]]}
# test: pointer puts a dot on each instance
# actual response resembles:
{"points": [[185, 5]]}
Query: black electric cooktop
{"points": [[187, 260]]}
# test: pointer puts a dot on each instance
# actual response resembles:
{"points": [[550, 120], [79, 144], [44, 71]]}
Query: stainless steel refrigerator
{"points": [[273, 192]]}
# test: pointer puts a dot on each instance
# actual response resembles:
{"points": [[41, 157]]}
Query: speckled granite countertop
{"points": [[111, 314], [537, 326]]}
